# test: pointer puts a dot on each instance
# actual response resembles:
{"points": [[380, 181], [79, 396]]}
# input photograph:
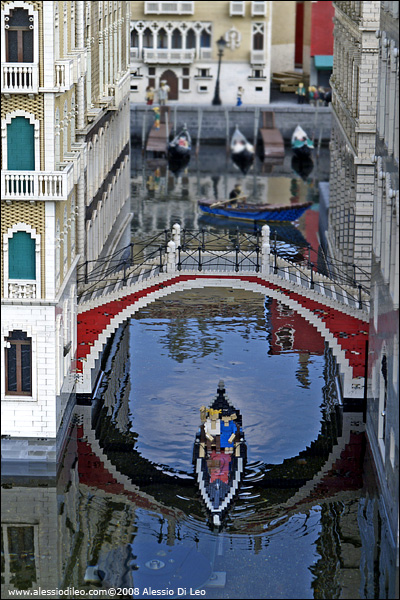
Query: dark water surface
{"points": [[305, 523]]}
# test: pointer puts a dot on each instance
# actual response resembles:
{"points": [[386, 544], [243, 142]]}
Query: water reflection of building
{"points": [[291, 333]]}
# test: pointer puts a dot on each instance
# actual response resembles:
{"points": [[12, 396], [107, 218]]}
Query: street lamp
{"points": [[221, 45]]}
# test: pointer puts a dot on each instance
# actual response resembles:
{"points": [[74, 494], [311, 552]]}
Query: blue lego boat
{"points": [[219, 455], [234, 209]]}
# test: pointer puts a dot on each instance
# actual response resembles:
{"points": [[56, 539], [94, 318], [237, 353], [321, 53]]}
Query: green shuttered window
{"points": [[21, 253]]}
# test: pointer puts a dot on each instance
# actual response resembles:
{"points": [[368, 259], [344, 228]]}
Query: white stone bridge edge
{"points": [[351, 388]]}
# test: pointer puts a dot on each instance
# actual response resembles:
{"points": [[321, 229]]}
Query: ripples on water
{"points": [[177, 351]]}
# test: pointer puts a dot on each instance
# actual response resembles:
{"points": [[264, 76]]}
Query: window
{"points": [[257, 73], [162, 39], [134, 39], [203, 72], [18, 560], [190, 39], [20, 145], [176, 39], [19, 36], [205, 40], [18, 364], [186, 78], [21, 256], [147, 38], [258, 41]]}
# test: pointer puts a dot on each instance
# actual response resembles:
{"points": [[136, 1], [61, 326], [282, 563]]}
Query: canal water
{"points": [[306, 521]]}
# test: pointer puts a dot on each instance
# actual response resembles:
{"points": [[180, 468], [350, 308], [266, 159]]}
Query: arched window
{"points": [[58, 254], [176, 39], [21, 256], [65, 129], [20, 145], [19, 36], [18, 364], [162, 39], [190, 39], [205, 39], [258, 41], [65, 243], [134, 39], [147, 38], [57, 149]]}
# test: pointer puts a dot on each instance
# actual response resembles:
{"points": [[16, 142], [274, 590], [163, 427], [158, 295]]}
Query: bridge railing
{"points": [[201, 250]]}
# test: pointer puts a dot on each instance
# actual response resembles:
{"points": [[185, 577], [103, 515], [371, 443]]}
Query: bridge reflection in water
{"points": [[305, 520]]}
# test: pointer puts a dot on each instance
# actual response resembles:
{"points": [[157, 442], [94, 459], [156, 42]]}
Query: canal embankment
{"points": [[215, 124]]}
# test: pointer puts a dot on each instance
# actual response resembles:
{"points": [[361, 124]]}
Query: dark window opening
{"points": [[190, 39], [134, 39], [205, 40], [176, 39], [147, 38], [162, 39], [18, 364], [258, 41], [19, 37]]}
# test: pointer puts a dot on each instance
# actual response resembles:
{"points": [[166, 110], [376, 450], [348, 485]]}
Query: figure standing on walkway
{"points": [[239, 95], [301, 93], [149, 95], [157, 116], [163, 93]]}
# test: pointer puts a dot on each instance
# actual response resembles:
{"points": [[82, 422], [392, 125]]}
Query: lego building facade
{"points": [[176, 42], [383, 398], [354, 95], [65, 183]]}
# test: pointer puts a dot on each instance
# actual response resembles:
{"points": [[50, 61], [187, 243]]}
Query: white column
{"points": [[171, 257], [266, 249], [176, 233]]}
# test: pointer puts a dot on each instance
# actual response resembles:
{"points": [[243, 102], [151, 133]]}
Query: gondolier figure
{"points": [[236, 192]]}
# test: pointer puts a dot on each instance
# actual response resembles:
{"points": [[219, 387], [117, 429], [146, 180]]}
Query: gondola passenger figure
{"points": [[157, 117], [239, 95]]}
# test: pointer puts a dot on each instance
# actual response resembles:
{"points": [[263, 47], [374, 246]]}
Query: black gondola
{"points": [[219, 455], [242, 151], [180, 146]]}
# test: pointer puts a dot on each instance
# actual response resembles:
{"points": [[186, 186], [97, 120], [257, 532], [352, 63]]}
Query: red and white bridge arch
{"points": [[344, 329]]}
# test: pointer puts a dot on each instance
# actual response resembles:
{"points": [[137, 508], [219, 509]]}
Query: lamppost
{"points": [[221, 45]]}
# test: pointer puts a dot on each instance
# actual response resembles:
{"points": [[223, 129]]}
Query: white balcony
{"points": [[25, 290], [206, 53], [257, 57], [258, 9], [121, 89], [134, 54], [69, 70], [37, 185], [237, 9], [169, 8], [169, 56], [19, 78]]}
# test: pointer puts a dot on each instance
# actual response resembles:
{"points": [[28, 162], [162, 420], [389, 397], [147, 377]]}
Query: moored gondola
{"points": [[180, 146], [302, 146], [242, 152]]}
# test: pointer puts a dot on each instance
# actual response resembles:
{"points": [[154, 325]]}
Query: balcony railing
{"points": [[169, 8], [168, 56], [37, 185], [19, 78], [257, 57], [26, 290], [120, 90]]}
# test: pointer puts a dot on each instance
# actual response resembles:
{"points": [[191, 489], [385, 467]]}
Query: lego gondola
{"points": [[219, 455], [180, 147], [242, 152], [302, 146]]}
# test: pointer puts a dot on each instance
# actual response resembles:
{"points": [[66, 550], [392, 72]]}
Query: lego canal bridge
{"points": [[115, 287]]}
